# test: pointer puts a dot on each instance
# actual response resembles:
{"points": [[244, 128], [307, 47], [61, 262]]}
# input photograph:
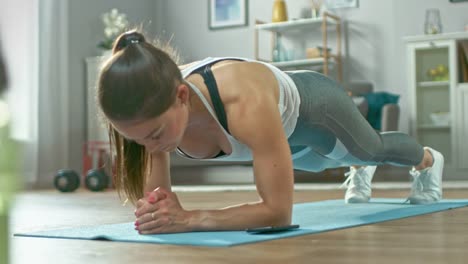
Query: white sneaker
{"points": [[359, 184], [427, 184]]}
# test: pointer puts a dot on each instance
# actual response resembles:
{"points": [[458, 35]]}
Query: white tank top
{"points": [[288, 105]]}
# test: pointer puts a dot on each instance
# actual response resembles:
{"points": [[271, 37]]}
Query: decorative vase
{"points": [[433, 25], [280, 13], [279, 52]]}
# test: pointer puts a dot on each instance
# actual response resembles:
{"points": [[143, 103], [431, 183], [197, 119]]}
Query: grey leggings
{"points": [[331, 132]]}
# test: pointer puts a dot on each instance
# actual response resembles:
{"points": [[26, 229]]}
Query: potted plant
{"points": [[115, 23]]}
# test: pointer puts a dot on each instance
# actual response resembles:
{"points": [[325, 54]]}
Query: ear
{"points": [[183, 93]]}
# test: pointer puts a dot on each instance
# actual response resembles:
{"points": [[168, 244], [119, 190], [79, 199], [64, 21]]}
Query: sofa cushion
{"points": [[361, 104], [376, 101]]}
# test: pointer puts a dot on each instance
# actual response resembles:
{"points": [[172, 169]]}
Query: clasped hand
{"points": [[160, 212]]}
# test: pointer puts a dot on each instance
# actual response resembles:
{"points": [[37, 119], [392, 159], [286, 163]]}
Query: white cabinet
{"points": [[96, 131], [439, 103]]}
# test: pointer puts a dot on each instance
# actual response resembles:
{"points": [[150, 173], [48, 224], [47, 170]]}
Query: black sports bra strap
{"points": [[210, 82]]}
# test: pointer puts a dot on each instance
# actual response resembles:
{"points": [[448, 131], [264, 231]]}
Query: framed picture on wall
{"points": [[227, 13]]}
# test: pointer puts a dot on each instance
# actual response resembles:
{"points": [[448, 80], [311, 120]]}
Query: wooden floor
{"points": [[434, 238]]}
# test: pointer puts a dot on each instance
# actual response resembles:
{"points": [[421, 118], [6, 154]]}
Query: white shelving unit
{"points": [[299, 63], [430, 96], [325, 24]]}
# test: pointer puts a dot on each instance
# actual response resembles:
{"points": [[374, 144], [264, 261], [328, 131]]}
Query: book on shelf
{"points": [[463, 60]]}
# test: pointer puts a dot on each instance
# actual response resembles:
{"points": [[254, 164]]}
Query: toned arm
{"points": [[254, 120]]}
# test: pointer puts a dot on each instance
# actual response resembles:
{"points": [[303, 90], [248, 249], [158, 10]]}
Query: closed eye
{"points": [[155, 134]]}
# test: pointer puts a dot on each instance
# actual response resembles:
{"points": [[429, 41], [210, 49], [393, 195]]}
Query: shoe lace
{"points": [[352, 180], [349, 176], [417, 185], [417, 181]]}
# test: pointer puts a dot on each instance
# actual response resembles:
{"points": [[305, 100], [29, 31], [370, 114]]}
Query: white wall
{"points": [[373, 35]]}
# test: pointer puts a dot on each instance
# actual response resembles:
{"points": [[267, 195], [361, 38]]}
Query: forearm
{"points": [[274, 208], [238, 217], [160, 172], [275, 185]]}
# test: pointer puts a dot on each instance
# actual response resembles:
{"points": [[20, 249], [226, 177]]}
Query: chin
{"points": [[170, 148], [154, 151]]}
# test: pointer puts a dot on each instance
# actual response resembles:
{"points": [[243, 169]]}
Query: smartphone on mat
{"points": [[270, 229]]}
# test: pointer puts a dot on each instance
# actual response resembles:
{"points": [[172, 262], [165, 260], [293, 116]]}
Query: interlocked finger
{"points": [[147, 208]]}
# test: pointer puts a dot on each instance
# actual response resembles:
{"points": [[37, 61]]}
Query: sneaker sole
{"points": [[357, 200]]}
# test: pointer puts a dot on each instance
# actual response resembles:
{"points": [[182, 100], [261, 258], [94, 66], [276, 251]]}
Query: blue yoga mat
{"points": [[313, 218]]}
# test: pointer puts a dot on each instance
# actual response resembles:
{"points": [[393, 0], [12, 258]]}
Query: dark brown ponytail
{"points": [[137, 83]]}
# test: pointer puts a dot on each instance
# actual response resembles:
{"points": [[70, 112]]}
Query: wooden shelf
{"points": [[299, 63], [297, 25]]}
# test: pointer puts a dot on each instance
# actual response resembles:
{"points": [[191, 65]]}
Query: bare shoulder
{"points": [[241, 81], [250, 96]]}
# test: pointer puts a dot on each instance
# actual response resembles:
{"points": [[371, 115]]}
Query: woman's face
{"points": [[160, 134]]}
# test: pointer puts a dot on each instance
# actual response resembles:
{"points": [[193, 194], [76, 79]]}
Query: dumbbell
{"points": [[96, 180], [67, 180]]}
